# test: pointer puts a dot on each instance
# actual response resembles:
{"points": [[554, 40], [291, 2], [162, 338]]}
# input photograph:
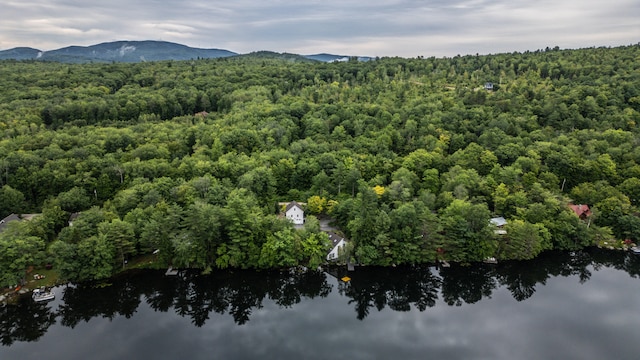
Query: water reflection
{"points": [[397, 288], [241, 293], [25, 321]]}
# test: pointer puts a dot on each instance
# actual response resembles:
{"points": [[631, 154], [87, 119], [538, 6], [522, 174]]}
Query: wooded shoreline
{"points": [[412, 157]]}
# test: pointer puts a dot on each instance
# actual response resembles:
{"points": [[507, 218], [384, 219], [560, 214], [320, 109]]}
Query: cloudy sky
{"points": [[405, 28]]}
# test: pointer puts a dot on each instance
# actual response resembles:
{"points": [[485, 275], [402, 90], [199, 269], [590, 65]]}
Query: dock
{"points": [[171, 272]]}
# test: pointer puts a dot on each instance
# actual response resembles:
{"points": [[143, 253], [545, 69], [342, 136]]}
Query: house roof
{"points": [[8, 219], [291, 205], [335, 238], [581, 210], [498, 221]]}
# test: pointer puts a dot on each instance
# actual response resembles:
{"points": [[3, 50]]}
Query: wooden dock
{"points": [[350, 266]]}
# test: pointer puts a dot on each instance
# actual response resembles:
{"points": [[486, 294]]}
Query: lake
{"points": [[580, 305]]}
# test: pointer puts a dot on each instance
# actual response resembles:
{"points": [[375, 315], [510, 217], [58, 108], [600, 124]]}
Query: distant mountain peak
{"points": [[118, 51], [149, 50]]}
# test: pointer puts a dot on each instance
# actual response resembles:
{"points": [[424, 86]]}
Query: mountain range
{"points": [[140, 51]]}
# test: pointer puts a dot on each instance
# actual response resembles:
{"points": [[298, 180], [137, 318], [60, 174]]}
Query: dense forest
{"points": [[411, 157]]}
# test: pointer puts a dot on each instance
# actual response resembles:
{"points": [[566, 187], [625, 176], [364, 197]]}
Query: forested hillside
{"points": [[412, 157]]}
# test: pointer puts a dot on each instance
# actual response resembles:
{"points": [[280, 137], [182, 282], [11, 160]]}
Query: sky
{"points": [[405, 28]]}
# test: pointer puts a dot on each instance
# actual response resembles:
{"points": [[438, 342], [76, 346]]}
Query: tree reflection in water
{"points": [[25, 321], [239, 293], [397, 288]]}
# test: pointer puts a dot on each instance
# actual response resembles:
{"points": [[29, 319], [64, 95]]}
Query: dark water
{"points": [[583, 305]]}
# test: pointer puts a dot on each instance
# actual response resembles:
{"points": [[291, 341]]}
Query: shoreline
{"points": [[11, 296]]}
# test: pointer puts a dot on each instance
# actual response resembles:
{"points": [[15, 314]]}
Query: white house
{"points": [[294, 213], [337, 242]]}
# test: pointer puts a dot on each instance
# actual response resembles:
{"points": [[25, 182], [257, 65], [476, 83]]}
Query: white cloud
{"points": [[375, 27]]}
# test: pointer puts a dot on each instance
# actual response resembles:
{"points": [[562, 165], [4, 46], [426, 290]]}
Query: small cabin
{"points": [[73, 218], [583, 211], [499, 223], [488, 86]]}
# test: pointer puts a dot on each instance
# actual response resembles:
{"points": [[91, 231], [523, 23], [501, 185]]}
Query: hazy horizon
{"points": [[405, 28]]}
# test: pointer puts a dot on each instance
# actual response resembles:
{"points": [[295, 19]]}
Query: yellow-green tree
{"points": [[316, 204]]}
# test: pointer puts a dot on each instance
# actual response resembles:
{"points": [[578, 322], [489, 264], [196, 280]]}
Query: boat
{"points": [[636, 250], [171, 271], [490, 260], [42, 294]]}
